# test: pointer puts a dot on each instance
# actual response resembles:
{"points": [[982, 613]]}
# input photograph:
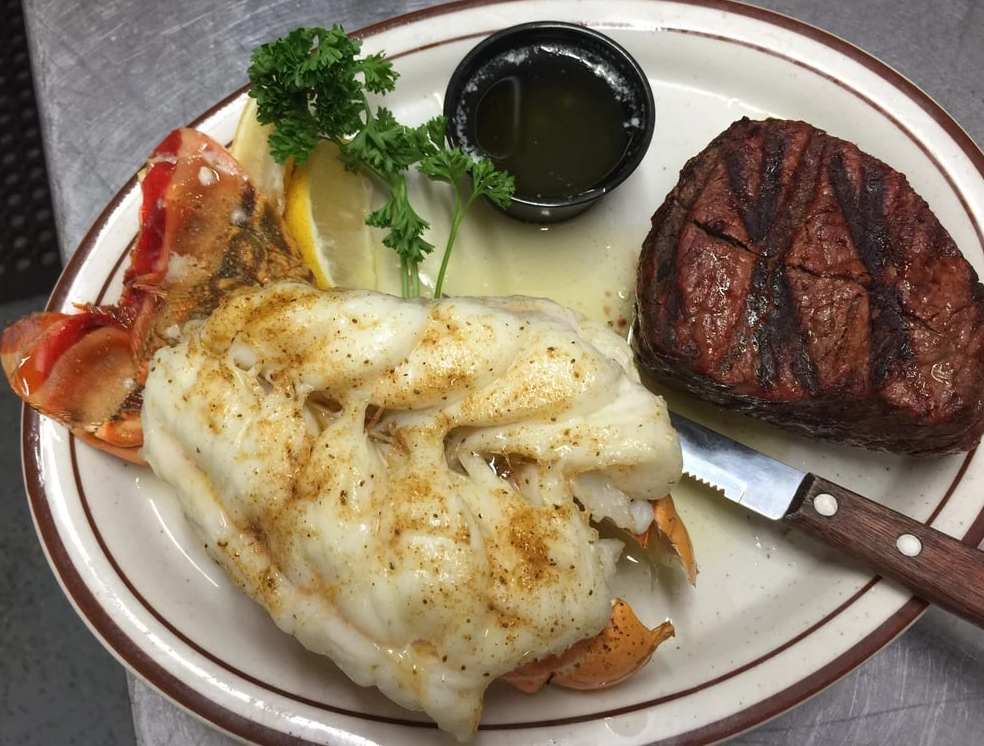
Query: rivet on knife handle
{"points": [[936, 567]]}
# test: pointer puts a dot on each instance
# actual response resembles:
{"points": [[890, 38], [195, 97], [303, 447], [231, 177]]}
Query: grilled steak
{"points": [[795, 278]]}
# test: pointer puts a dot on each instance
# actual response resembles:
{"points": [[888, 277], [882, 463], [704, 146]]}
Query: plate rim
{"points": [[128, 652]]}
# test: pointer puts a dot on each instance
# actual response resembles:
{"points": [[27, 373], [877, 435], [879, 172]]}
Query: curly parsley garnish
{"points": [[312, 85]]}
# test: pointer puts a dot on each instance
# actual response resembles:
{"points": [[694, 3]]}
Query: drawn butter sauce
{"points": [[554, 121]]}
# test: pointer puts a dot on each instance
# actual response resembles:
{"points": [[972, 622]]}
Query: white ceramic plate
{"points": [[773, 619]]}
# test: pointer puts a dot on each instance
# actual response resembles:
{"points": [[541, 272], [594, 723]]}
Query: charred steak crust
{"points": [[790, 276]]}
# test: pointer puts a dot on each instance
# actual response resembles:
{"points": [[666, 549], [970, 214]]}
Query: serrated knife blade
{"points": [[745, 476], [935, 566]]}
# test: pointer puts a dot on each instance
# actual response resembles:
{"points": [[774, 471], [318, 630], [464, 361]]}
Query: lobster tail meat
{"points": [[409, 486], [204, 232]]}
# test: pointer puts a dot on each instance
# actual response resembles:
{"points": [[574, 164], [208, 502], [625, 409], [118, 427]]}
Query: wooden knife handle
{"points": [[934, 566]]}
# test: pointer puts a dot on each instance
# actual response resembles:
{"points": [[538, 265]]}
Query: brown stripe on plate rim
{"points": [[118, 641]]}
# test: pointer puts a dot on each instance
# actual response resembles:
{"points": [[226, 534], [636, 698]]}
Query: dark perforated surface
{"points": [[29, 259]]}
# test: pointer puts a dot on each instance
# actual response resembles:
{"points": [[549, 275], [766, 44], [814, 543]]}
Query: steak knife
{"points": [[934, 566]]}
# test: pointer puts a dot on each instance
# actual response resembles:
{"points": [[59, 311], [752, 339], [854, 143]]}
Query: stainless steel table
{"points": [[114, 76]]}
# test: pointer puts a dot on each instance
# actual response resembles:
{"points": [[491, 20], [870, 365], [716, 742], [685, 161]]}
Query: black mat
{"points": [[29, 258]]}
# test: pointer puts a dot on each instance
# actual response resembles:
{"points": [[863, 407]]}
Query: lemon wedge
{"points": [[250, 148], [326, 208]]}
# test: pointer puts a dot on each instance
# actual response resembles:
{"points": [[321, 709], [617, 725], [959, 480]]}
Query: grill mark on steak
{"points": [[785, 336], [672, 304], [864, 212], [770, 221], [757, 213], [793, 277]]}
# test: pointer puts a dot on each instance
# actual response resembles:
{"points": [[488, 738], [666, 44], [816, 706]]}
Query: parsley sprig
{"points": [[313, 85]]}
